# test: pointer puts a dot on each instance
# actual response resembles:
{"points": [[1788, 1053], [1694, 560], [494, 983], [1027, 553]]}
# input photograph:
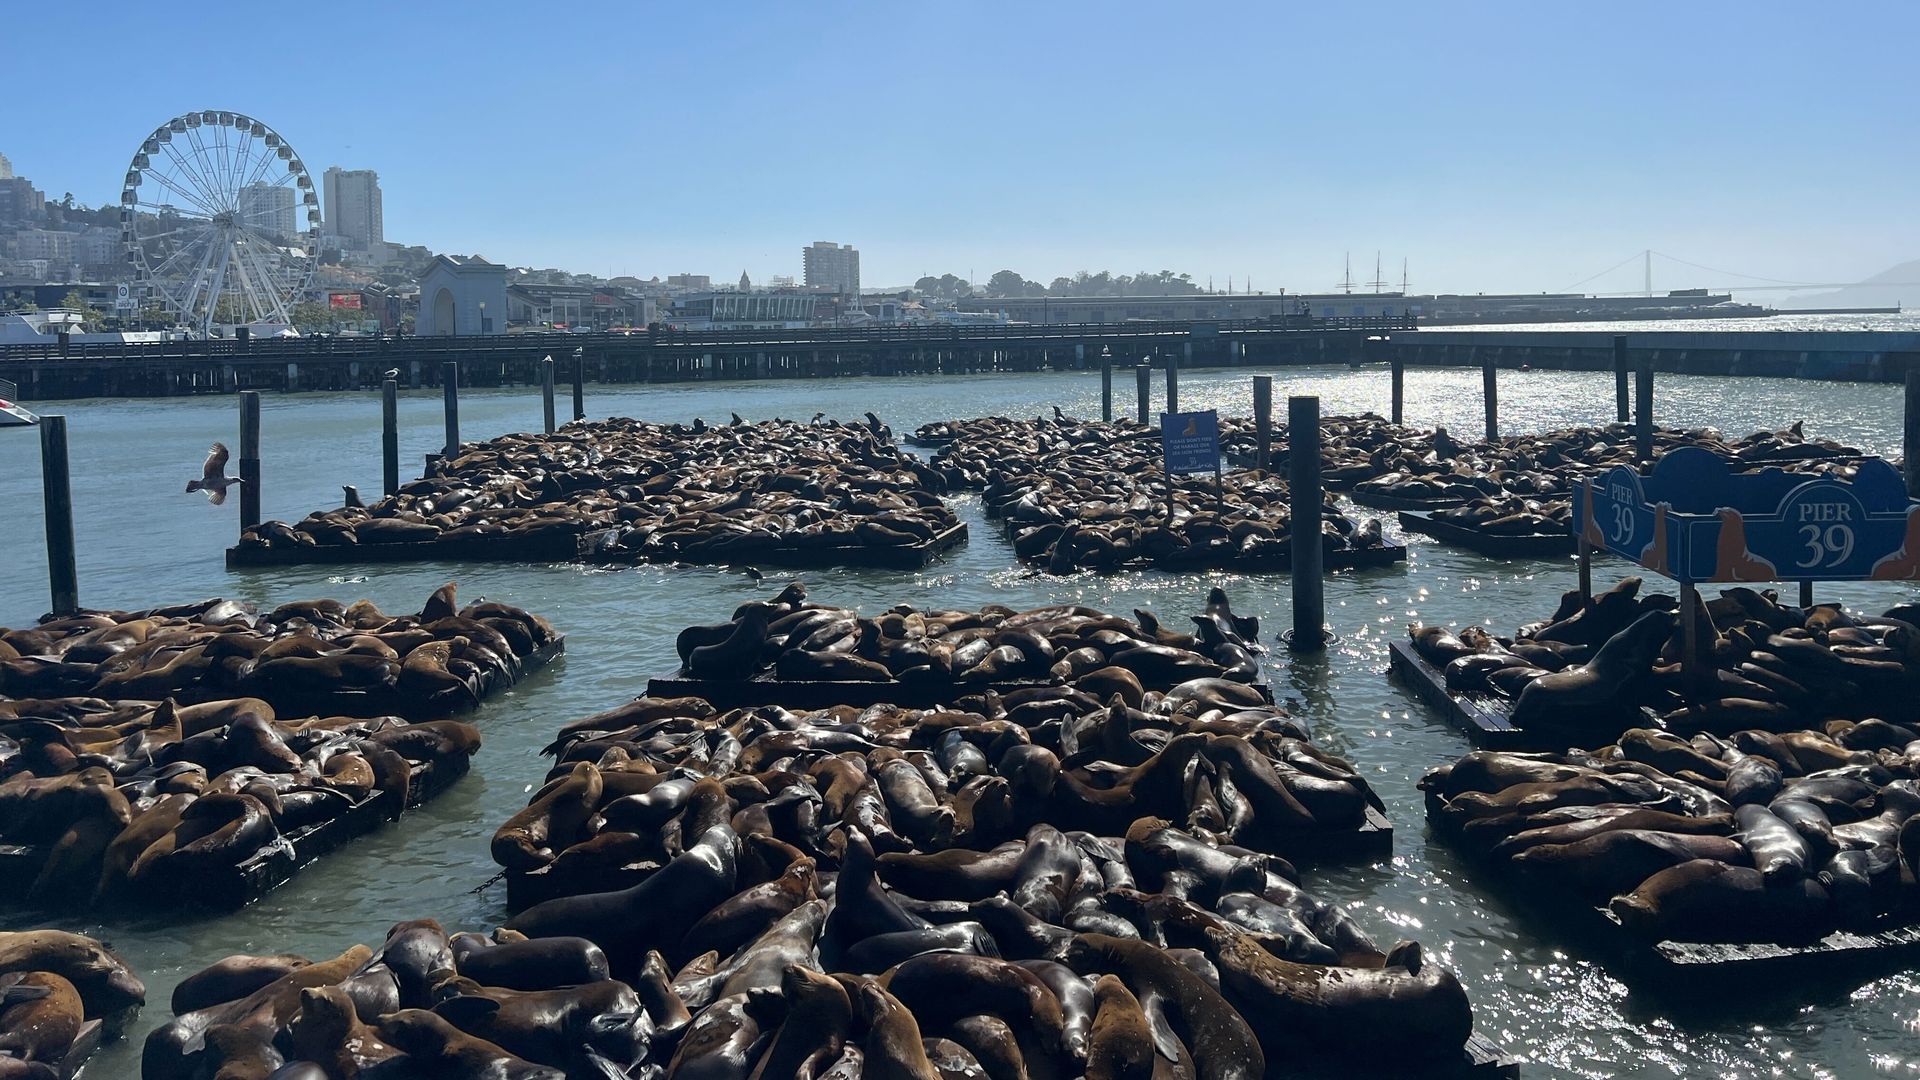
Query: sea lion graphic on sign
{"points": [[1654, 555], [1732, 561], [1595, 537], [1903, 564]]}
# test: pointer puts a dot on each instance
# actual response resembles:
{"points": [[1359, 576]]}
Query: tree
{"points": [[1006, 283], [77, 301]]}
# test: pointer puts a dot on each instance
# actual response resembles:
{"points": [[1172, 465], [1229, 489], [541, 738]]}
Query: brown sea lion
{"points": [[40, 1016], [1709, 901], [108, 987], [437, 1048], [554, 820], [1222, 1045]]}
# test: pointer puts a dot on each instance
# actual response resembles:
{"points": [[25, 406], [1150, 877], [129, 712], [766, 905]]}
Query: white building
{"points": [[835, 266], [6, 168], [268, 209], [98, 250], [43, 244], [461, 296], [353, 208]]}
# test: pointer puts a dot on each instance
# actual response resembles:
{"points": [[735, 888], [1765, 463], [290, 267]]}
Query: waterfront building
{"points": [[353, 210], [742, 311], [833, 266], [696, 282], [268, 209], [1196, 306], [20, 200], [460, 296]]}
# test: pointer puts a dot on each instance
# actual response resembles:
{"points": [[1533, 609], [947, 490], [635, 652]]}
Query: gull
{"points": [[213, 479], [392, 373]]}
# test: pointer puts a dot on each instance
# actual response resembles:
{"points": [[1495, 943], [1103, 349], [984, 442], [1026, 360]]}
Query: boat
{"points": [[12, 415]]}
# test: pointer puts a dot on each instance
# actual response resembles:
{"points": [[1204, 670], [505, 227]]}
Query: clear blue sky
{"points": [[1497, 146]]}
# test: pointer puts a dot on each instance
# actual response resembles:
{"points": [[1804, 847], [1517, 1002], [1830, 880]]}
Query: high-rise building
{"points": [[836, 266], [353, 208], [268, 208], [19, 200], [6, 168]]}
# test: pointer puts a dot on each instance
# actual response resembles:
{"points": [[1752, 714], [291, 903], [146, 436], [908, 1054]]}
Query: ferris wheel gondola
{"points": [[220, 220]]}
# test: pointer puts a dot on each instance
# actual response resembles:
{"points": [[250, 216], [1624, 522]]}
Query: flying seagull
{"points": [[213, 478]]}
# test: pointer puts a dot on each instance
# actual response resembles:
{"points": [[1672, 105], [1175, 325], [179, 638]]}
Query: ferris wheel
{"points": [[220, 220]]}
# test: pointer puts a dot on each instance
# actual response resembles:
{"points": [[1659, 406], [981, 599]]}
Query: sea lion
{"points": [[108, 987], [1120, 1045], [1575, 696], [554, 820], [40, 1016], [892, 1049], [436, 1047], [528, 963], [556, 1026], [818, 1023], [1777, 851], [1710, 901], [1175, 999], [1615, 861], [231, 979], [329, 1031]]}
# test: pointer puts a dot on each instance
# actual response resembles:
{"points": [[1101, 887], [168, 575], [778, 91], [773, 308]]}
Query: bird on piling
{"points": [[392, 373], [213, 476]]}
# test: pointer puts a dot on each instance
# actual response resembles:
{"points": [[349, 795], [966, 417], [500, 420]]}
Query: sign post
{"points": [[1190, 443]]}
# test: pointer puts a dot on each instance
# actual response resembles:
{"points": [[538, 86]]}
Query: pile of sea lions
{"points": [[633, 490], [60, 995], [1154, 956], [162, 802], [790, 639], [1086, 495], [1433, 467], [1209, 755], [1590, 669], [308, 657], [1757, 836], [1511, 515]]}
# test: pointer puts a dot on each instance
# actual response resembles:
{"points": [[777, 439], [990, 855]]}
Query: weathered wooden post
{"points": [[1106, 391], [1620, 378], [249, 459], [1303, 467], [1490, 391], [1399, 388], [1143, 380], [546, 393], [1911, 445], [580, 382], [57, 491], [389, 436], [1262, 421], [1173, 385], [450, 382], [1643, 409]]}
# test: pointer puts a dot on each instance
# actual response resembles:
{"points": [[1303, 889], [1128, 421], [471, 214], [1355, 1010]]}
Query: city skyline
{"points": [[1081, 137]]}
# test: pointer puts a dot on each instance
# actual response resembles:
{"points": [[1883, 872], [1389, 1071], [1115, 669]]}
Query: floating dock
{"points": [[1551, 545], [1486, 719]]}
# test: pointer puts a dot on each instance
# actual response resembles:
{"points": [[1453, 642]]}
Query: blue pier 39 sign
{"points": [[1190, 441], [1695, 520]]}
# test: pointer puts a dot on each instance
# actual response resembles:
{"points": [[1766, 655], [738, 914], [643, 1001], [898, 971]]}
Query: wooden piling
{"points": [[1303, 461], [1643, 410], [546, 393], [1143, 398], [1911, 445], [249, 459], [450, 382], [580, 383], [1173, 385], [56, 486], [1490, 394], [1620, 410], [1106, 391], [389, 436], [1262, 421], [1399, 389]]}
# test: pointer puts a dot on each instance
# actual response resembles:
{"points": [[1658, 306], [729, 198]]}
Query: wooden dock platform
{"points": [[1485, 719], [1493, 545]]}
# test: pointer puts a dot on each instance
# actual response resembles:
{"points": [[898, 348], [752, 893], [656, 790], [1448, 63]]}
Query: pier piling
{"points": [[1620, 378], [1173, 385], [1399, 389], [1303, 461], [1143, 397], [1490, 393], [450, 380], [57, 490], [249, 459], [580, 383], [1106, 391], [389, 436], [1643, 410], [546, 393], [1911, 445], [1262, 421]]}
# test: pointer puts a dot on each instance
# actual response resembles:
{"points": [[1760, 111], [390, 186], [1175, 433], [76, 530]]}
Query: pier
{"points": [[216, 366], [1840, 355]]}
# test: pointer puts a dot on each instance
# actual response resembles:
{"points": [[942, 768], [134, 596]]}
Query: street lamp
{"points": [[483, 317]]}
